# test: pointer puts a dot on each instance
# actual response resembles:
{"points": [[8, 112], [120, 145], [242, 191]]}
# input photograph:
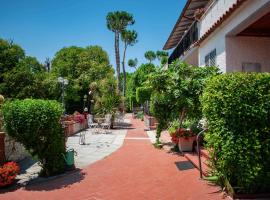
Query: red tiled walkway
{"points": [[137, 171]]}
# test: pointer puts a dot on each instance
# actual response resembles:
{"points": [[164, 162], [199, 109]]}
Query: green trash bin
{"points": [[69, 158]]}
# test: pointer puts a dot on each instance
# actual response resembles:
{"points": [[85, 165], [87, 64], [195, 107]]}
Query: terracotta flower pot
{"points": [[186, 144]]}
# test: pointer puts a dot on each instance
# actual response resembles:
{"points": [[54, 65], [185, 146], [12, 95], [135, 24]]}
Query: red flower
{"points": [[8, 173]]}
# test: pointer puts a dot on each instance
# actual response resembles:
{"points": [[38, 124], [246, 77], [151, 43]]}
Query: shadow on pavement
{"points": [[122, 125], [184, 165], [57, 182]]}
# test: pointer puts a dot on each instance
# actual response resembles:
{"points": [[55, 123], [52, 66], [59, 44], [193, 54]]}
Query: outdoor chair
{"points": [[91, 124], [119, 117], [107, 123]]}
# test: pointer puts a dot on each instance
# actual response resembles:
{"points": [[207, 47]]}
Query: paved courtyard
{"points": [[135, 171], [97, 146]]}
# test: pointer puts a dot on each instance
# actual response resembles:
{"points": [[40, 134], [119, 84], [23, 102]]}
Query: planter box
{"points": [[186, 144], [150, 122], [72, 127]]}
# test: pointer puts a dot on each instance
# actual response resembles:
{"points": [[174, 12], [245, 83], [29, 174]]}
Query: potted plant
{"points": [[187, 134], [186, 139], [8, 173]]}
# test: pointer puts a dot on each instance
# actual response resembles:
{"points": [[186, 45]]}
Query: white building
{"points": [[231, 34]]}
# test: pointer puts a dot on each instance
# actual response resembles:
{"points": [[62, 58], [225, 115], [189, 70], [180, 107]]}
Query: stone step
{"points": [[193, 158]]}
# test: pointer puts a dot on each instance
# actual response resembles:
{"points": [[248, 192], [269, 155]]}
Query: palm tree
{"points": [[150, 55], [117, 22], [129, 38], [133, 63]]}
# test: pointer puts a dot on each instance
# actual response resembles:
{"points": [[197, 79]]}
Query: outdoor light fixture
{"points": [[84, 101]]}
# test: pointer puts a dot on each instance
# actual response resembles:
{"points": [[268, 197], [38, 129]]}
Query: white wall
{"points": [[249, 50], [214, 12], [249, 12], [191, 57]]}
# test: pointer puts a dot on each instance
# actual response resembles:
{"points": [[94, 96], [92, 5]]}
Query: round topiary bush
{"points": [[237, 107], [35, 124]]}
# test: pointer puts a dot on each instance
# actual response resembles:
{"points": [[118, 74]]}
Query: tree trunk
{"points": [[124, 70], [182, 116], [117, 58]]}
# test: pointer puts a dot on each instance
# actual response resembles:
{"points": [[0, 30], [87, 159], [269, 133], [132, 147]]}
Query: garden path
{"points": [[136, 171]]}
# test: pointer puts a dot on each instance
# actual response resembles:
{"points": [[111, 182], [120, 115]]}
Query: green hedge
{"points": [[143, 94], [237, 107], [35, 124]]}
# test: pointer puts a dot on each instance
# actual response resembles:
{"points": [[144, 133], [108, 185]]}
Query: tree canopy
{"points": [[81, 66], [150, 56], [133, 63]]}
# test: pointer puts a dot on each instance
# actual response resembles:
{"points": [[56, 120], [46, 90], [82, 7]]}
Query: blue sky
{"points": [[42, 27]]}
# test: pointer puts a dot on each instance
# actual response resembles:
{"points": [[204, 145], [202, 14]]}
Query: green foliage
{"points": [[143, 94], [237, 108], [140, 115], [133, 62], [25, 81], [173, 126], [176, 92], [160, 108], [192, 124], [162, 57], [35, 124], [118, 21], [20, 75], [162, 54], [138, 79], [2, 99], [106, 98], [81, 66], [10, 55], [150, 56], [142, 73], [164, 60], [129, 37]]}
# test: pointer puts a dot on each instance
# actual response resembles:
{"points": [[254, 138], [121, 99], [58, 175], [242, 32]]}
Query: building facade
{"points": [[231, 34]]}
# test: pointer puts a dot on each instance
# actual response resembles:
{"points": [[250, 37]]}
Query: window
{"points": [[251, 67], [210, 59]]}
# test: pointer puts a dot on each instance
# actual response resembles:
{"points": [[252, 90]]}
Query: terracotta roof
{"points": [[184, 21], [225, 16]]}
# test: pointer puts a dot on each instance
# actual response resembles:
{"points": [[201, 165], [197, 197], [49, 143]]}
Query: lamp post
{"points": [[84, 101], [64, 83], [89, 101]]}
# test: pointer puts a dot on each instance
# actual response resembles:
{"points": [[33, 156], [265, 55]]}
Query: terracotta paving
{"points": [[137, 171]]}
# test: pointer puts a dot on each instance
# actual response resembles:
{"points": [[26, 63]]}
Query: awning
{"points": [[184, 22]]}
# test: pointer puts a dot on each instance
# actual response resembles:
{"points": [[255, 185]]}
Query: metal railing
{"points": [[199, 151], [190, 37]]}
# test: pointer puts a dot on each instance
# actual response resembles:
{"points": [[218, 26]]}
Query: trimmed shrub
{"points": [[35, 124], [237, 107]]}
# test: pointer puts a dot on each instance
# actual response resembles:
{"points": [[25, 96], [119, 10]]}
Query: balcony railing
{"points": [[189, 38]]}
